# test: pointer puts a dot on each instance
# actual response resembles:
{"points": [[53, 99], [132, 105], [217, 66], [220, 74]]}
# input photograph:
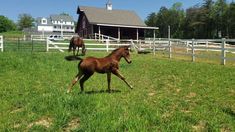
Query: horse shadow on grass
{"points": [[101, 91], [72, 58], [229, 112]]}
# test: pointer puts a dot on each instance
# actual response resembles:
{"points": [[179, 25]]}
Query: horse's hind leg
{"points": [[109, 80], [75, 80], [84, 78]]}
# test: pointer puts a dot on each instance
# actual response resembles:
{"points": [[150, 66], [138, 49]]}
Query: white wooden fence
{"points": [[170, 46], [1, 43], [176, 46], [107, 46], [44, 37]]}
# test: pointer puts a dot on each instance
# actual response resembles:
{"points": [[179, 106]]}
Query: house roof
{"points": [[112, 17], [38, 21], [66, 18]]}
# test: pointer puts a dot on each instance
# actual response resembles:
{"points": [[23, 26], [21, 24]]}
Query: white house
{"points": [[56, 23]]}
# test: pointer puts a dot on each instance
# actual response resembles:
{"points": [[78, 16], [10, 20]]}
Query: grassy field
{"points": [[168, 95], [13, 34]]}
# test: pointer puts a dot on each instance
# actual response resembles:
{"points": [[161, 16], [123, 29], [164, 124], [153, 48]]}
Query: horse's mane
{"points": [[114, 51]]}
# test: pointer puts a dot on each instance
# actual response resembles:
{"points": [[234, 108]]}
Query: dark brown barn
{"points": [[121, 24]]}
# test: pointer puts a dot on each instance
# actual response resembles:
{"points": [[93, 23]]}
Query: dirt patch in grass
{"points": [[73, 124], [16, 110], [200, 127], [151, 94], [191, 95], [44, 121]]}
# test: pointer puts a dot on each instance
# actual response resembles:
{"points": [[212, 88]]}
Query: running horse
{"points": [[109, 64], [77, 42]]}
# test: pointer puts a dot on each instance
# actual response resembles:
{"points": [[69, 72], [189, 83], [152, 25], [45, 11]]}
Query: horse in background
{"points": [[75, 43], [109, 64]]}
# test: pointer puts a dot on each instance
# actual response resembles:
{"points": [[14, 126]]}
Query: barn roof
{"points": [[111, 17]]}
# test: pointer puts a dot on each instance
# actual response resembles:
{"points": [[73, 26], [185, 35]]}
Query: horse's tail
{"points": [[71, 44]]}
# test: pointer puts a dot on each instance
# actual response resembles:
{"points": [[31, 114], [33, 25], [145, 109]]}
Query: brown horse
{"points": [[77, 42], [108, 65]]}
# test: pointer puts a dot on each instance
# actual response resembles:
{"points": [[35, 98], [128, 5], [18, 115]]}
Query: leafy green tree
{"points": [[25, 21], [151, 21], [6, 24], [221, 18], [231, 20], [211, 19]]}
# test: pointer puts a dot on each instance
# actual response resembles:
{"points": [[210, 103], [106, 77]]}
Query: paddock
{"points": [[221, 50], [167, 95]]}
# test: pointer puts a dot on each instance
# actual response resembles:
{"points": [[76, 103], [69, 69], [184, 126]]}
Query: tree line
{"points": [[211, 19], [24, 21]]}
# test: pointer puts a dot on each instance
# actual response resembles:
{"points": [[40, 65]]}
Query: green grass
{"points": [[168, 95], [13, 34]]}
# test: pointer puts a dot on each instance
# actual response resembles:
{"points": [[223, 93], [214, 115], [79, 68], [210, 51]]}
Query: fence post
{"points": [[18, 42], [107, 45], [1, 43], [193, 51], [187, 45], [32, 45], [47, 45], [207, 45], [170, 50], [223, 52]]}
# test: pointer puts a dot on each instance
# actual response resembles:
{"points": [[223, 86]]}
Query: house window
{"points": [[55, 27], [44, 21]]}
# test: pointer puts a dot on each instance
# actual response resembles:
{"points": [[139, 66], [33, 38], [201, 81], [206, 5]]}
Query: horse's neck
{"points": [[116, 56]]}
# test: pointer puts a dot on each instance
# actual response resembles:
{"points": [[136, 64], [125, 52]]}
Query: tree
{"points": [[221, 18], [64, 14], [6, 24], [25, 21], [231, 20], [151, 21]]}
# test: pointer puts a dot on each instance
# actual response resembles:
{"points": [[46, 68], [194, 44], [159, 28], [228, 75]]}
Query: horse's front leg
{"points": [[118, 74], [74, 48], [77, 51], [109, 80]]}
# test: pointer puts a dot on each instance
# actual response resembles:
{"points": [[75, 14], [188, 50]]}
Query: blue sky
{"points": [[44, 8]]}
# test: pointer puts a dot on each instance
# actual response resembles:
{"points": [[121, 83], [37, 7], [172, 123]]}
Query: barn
{"points": [[120, 24]]}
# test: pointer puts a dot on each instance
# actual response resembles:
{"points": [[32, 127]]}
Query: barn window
{"points": [[84, 24]]}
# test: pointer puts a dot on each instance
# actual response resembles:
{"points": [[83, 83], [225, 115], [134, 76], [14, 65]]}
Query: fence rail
{"points": [[107, 46], [222, 49], [192, 47], [1, 43], [44, 37]]}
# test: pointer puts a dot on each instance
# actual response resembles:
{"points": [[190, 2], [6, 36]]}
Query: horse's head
{"points": [[126, 54]]}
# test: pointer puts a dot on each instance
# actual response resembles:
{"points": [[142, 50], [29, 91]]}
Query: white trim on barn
{"points": [[142, 27]]}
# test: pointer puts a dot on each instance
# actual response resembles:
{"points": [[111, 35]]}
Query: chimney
{"points": [[109, 5]]}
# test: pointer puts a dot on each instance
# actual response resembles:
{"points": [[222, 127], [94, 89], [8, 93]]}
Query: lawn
{"points": [[168, 95]]}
